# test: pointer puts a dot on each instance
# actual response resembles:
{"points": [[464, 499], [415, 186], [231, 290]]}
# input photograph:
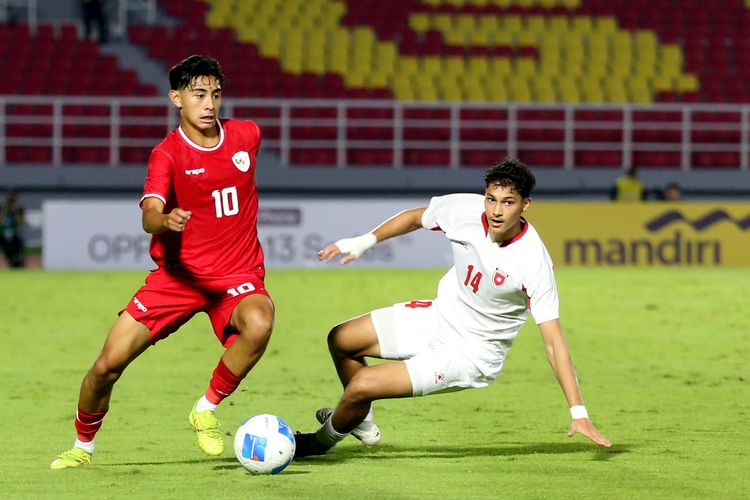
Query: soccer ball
{"points": [[264, 444]]}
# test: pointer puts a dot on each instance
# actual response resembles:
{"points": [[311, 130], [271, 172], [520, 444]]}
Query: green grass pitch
{"points": [[662, 356]]}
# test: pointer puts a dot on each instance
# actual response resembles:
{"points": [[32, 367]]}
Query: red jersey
{"points": [[216, 184]]}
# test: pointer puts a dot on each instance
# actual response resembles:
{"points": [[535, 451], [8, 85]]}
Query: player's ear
{"points": [[525, 204], [174, 96]]}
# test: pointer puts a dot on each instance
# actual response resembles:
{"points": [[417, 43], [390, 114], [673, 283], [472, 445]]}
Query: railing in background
{"points": [[121, 131], [144, 9], [7, 11]]}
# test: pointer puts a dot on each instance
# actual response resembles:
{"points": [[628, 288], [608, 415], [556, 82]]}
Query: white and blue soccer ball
{"points": [[264, 444]]}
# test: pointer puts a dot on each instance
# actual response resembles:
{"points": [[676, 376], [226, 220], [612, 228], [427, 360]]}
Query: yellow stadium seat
{"points": [[496, 91], [511, 24], [535, 24], [478, 66], [454, 65], [354, 79], [527, 39], [500, 66], [488, 24], [543, 90], [479, 38], [399, 81], [606, 25], [568, 91], [475, 94], [559, 25], [687, 83], [452, 94], [407, 66], [502, 38], [376, 79], [419, 22], [525, 67], [430, 65], [662, 83], [582, 24], [442, 22], [520, 93], [465, 23]]}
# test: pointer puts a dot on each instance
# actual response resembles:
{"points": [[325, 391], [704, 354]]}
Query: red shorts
{"points": [[167, 301]]}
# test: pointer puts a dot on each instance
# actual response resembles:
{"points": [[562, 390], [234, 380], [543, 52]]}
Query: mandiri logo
{"points": [[699, 224]]}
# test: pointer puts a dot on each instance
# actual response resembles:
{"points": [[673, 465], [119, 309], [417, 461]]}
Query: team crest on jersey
{"points": [[498, 279], [241, 160]]}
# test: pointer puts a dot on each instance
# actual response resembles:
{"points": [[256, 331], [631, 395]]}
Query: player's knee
{"points": [[103, 373], [255, 325], [334, 339], [362, 388]]}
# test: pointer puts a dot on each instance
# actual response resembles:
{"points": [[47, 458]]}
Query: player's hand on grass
{"points": [[177, 219], [586, 427], [352, 247]]}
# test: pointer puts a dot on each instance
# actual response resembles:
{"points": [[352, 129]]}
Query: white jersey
{"points": [[486, 296]]}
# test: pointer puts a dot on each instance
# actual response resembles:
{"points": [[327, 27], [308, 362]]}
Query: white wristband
{"points": [[356, 246], [578, 411]]}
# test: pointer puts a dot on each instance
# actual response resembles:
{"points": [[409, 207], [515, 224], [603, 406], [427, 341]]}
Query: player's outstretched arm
{"points": [[559, 359], [155, 221], [401, 223]]}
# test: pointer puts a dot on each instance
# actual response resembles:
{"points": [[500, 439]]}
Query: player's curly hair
{"points": [[182, 74], [511, 173]]}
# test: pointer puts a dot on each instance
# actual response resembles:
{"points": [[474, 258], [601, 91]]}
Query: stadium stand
{"points": [[561, 83]]}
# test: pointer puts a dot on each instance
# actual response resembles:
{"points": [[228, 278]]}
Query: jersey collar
{"points": [[524, 227], [203, 148]]}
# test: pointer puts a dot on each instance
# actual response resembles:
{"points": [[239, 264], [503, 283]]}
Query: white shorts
{"points": [[412, 331]]}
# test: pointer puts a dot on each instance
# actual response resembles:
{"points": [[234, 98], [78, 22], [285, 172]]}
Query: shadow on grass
{"points": [[209, 461], [395, 452]]}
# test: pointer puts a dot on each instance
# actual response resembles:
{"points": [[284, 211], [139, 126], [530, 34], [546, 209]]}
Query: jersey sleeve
{"points": [[444, 212], [253, 141], [544, 304], [159, 176]]}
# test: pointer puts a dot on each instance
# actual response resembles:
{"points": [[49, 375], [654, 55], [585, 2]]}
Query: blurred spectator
{"points": [[628, 187], [11, 238], [93, 13], [672, 192]]}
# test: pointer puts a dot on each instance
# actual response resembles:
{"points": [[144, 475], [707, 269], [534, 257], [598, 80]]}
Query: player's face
{"points": [[199, 104], [503, 207]]}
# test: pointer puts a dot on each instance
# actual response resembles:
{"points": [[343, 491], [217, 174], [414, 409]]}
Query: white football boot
{"points": [[367, 432]]}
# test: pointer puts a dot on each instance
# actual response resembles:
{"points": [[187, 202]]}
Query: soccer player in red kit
{"points": [[200, 203]]}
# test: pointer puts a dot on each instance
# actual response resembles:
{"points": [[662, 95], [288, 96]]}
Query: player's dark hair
{"points": [[183, 73], [513, 174]]}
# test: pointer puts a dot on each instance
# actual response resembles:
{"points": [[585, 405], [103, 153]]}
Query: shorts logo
{"points": [[195, 171], [139, 304], [498, 279], [439, 377]]}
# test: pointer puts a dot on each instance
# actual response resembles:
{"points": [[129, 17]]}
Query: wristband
{"points": [[356, 246], [578, 411]]}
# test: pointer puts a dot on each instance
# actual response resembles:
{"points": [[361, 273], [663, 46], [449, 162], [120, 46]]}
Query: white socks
{"points": [[366, 424], [85, 446], [327, 434], [204, 404]]}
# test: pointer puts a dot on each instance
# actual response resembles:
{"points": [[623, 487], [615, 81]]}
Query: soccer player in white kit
{"points": [[501, 272]]}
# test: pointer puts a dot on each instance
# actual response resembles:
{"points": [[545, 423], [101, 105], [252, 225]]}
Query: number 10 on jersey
{"points": [[226, 201]]}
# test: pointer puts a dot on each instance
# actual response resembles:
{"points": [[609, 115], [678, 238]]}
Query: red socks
{"points": [[223, 383], [88, 423]]}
